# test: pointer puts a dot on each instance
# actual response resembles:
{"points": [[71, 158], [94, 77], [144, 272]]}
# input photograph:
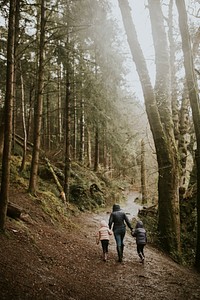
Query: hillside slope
{"points": [[43, 257]]}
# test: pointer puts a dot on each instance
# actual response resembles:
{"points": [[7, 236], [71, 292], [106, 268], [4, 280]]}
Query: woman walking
{"points": [[118, 221]]}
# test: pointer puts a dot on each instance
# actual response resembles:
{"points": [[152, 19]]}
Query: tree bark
{"points": [[173, 79], [169, 210], [82, 130], [89, 151], [39, 107], [194, 102], [143, 174], [169, 226], [5, 178], [23, 121], [96, 155], [59, 105], [67, 141]]}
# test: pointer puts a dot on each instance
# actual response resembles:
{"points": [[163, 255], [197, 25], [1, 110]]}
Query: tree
{"points": [[143, 174], [39, 106], [41, 91], [194, 102], [67, 135], [5, 179], [159, 114]]}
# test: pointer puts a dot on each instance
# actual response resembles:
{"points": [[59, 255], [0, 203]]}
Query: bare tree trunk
{"points": [[75, 128], [105, 151], [143, 174], [48, 123], [5, 178], [16, 66], [194, 102], [110, 164], [39, 106], [67, 137], [59, 106], [96, 155], [29, 117], [89, 151], [82, 131], [23, 121]]}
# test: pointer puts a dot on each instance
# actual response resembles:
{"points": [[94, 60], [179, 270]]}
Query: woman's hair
{"points": [[116, 207]]}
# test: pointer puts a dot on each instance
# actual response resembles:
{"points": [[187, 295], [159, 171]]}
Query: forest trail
{"points": [[41, 261]]}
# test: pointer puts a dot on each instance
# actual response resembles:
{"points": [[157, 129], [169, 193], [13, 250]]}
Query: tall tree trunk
{"points": [[82, 131], [48, 123], [67, 138], [143, 175], [195, 49], [23, 121], [16, 66], [39, 106], [173, 79], [194, 102], [89, 151], [59, 106], [170, 171], [75, 128], [184, 126], [5, 178], [29, 117], [105, 151], [96, 155], [169, 224]]}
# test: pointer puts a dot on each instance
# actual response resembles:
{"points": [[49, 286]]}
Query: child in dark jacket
{"points": [[141, 239]]}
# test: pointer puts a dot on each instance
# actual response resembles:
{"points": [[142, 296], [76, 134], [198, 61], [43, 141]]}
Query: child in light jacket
{"points": [[103, 235], [141, 239]]}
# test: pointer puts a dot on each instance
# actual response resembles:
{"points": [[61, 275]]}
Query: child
{"points": [[141, 239], [103, 236]]}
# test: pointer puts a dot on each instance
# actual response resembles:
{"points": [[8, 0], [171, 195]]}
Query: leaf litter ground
{"points": [[41, 260]]}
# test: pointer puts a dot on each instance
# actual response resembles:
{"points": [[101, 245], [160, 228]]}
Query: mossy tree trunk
{"points": [[194, 102], [160, 118]]}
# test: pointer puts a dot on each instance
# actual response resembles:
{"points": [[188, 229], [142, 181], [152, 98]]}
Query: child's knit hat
{"points": [[103, 223]]}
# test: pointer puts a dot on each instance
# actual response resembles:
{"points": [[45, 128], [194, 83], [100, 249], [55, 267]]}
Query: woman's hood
{"points": [[116, 207]]}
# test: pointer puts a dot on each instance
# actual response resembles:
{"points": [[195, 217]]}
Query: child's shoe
{"points": [[105, 257]]}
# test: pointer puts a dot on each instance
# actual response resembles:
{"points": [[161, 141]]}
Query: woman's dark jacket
{"points": [[140, 234], [118, 218]]}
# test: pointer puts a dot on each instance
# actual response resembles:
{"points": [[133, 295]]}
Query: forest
{"points": [[67, 101]]}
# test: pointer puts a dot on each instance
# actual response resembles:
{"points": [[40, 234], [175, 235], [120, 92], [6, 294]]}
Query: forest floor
{"points": [[40, 259]]}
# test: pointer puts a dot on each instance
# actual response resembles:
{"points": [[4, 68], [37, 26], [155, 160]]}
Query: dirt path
{"points": [[40, 261], [159, 277]]}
